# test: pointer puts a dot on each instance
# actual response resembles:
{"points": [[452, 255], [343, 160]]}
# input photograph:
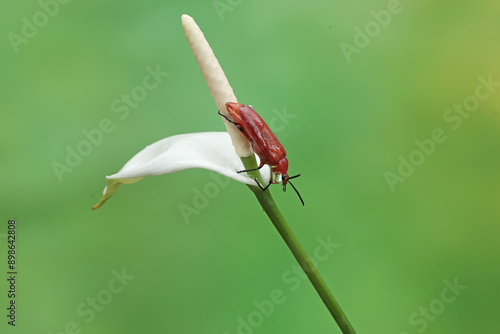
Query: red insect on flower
{"points": [[264, 143]]}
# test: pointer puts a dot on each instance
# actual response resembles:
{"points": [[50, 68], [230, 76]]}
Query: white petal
{"points": [[209, 150]]}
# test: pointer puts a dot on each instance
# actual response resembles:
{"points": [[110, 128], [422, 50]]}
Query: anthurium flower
{"points": [[209, 150], [216, 151]]}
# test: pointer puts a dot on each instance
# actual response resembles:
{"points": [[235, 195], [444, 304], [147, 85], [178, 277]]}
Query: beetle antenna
{"points": [[300, 197]]}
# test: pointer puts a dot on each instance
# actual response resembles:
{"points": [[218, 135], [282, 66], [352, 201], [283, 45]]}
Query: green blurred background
{"points": [[348, 123]]}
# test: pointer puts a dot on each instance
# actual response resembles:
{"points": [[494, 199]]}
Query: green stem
{"points": [[267, 202]]}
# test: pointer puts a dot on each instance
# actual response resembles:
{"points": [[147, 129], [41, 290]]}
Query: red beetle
{"points": [[264, 143]]}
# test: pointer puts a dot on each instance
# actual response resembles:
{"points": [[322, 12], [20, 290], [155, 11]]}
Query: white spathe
{"points": [[208, 150]]}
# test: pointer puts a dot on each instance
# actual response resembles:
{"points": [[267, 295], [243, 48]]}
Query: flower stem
{"points": [[267, 202]]}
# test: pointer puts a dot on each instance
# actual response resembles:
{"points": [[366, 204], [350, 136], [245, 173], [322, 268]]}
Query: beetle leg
{"points": [[260, 185], [249, 170], [230, 121]]}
